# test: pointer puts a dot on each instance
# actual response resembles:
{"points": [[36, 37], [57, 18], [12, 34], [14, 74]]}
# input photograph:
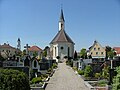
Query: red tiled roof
{"points": [[6, 46], [34, 48], [117, 49]]}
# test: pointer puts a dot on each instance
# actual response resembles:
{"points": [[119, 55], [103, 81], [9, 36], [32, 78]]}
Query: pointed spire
{"points": [[62, 16], [18, 39]]}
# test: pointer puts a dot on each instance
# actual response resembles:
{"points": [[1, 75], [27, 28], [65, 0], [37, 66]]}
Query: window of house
{"points": [[98, 48], [91, 53], [102, 53], [94, 48], [96, 53]]}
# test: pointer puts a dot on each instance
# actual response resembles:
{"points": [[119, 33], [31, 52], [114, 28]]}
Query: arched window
{"points": [[55, 51], [35, 63]]}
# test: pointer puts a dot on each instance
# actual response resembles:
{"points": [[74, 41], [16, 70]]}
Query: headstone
{"points": [[27, 61]]}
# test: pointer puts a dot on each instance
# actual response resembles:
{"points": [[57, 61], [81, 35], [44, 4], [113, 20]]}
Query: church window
{"points": [[62, 48], [68, 51], [55, 51], [35, 64]]}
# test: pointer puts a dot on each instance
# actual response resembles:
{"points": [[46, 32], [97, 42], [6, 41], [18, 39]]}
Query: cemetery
{"points": [[96, 75]]}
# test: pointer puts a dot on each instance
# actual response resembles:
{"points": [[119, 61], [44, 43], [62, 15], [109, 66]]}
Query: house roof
{"points": [[95, 42], [61, 37], [117, 49], [34, 48], [6, 46]]}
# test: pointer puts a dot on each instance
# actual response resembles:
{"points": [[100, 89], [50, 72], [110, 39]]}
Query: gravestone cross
{"points": [[27, 46]]}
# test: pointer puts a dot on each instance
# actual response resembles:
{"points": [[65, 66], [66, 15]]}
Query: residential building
{"points": [[97, 51], [62, 45], [117, 50], [8, 51], [35, 51]]}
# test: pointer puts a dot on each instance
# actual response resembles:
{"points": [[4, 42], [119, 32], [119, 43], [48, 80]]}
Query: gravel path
{"points": [[64, 78]]}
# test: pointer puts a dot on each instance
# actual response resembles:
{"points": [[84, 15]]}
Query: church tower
{"points": [[62, 45], [61, 21], [19, 44]]}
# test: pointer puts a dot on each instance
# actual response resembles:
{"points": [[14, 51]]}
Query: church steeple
{"points": [[61, 21], [19, 44]]}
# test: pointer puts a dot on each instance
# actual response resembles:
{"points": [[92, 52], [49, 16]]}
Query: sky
{"points": [[35, 22]]}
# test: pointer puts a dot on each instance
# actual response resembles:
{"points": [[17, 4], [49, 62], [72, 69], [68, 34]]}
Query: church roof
{"points": [[61, 37]]}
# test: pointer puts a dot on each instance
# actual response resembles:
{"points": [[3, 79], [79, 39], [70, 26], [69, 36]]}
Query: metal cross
{"points": [[26, 48]]}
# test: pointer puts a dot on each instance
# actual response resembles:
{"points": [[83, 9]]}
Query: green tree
{"points": [[13, 80], [110, 53], [45, 53], [83, 53], [35, 54], [88, 71], [75, 55], [1, 58], [24, 52], [116, 80]]}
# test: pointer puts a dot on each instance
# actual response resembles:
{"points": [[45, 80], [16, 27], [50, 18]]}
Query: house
{"points": [[35, 51], [7, 50], [117, 50], [61, 45], [97, 51]]}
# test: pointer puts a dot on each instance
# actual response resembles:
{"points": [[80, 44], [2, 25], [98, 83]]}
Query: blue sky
{"points": [[36, 21]]}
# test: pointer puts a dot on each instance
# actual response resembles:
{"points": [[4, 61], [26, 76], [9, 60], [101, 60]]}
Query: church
{"points": [[62, 45]]}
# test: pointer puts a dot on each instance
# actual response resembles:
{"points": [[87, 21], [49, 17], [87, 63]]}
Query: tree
{"points": [[1, 58], [83, 53], [116, 80], [75, 55], [45, 53], [24, 52], [88, 71], [35, 54], [13, 80], [110, 53]]}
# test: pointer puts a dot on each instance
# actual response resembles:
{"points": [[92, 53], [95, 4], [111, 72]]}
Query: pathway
{"points": [[64, 78]]}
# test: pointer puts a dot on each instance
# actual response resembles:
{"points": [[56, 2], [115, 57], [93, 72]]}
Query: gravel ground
{"points": [[65, 78]]}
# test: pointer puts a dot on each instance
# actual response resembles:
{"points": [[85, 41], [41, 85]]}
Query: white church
{"points": [[61, 45]]}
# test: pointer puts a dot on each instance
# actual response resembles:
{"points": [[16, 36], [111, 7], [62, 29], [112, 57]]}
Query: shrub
{"points": [[74, 68], [36, 80], [13, 80], [102, 83], [80, 72], [116, 80], [54, 66], [88, 71], [97, 75], [58, 57], [50, 70]]}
